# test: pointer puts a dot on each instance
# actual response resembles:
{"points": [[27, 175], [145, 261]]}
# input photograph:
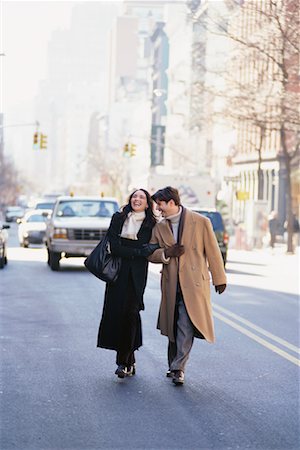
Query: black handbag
{"points": [[102, 263]]}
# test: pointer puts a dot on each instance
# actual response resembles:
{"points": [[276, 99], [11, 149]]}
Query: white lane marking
{"points": [[260, 330], [258, 339]]}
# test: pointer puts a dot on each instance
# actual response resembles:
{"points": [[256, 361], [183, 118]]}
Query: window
{"points": [[86, 208]]}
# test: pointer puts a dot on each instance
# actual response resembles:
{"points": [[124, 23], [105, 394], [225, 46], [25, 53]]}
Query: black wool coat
{"points": [[132, 279]]}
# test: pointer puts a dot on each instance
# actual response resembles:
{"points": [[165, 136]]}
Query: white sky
{"points": [[26, 28], [25, 31]]}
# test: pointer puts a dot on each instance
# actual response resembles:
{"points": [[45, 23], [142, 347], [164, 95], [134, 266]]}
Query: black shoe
{"points": [[121, 371], [178, 377], [170, 373], [130, 370]]}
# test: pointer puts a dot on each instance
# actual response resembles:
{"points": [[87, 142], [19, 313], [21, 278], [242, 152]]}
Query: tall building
{"points": [[1, 137], [267, 103], [193, 142], [160, 64], [129, 112], [73, 91]]}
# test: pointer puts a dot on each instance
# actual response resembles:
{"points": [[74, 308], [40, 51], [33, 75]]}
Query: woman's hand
{"points": [[148, 249]]}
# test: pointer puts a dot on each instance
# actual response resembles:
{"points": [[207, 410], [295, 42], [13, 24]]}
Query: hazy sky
{"points": [[26, 28]]}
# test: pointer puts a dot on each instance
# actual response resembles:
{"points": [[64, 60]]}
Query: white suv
{"points": [[76, 226]]}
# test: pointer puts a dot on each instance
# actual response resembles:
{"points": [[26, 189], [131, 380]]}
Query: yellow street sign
{"points": [[242, 195]]}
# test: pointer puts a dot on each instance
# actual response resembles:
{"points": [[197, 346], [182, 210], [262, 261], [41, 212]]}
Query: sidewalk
{"points": [[264, 268], [271, 269]]}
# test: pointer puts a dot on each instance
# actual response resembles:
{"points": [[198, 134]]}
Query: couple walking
{"points": [[184, 242]]}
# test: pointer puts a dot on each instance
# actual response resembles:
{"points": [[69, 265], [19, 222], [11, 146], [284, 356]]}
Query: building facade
{"points": [[265, 76]]}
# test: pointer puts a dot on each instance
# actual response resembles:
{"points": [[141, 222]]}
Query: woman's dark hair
{"points": [[150, 219], [166, 194]]}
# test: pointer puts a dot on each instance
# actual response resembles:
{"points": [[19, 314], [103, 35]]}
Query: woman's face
{"points": [[139, 201]]}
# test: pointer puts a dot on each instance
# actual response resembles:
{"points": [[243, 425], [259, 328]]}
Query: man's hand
{"points": [[176, 250], [220, 288]]}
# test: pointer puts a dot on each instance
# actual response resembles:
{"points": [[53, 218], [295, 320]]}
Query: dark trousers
{"points": [[130, 329], [273, 240]]}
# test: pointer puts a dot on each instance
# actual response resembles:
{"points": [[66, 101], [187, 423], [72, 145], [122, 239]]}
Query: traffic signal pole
{"points": [[39, 139], [36, 123]]}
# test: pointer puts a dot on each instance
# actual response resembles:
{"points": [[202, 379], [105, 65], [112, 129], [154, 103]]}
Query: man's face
{"points": [[166, 208]]}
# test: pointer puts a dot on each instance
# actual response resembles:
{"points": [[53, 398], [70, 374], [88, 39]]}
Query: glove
{"points": [[220, 288], [148, 249], [176, 250]]}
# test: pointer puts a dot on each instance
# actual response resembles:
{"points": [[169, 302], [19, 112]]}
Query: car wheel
{"points": [[2, 262], [54, 259]]}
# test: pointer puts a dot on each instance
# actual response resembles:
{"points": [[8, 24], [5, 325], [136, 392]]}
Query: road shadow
{"points": [[245, 263], [70, 268], [240, 272]]}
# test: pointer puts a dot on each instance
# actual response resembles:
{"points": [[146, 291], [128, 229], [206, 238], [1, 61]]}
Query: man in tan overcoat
{"points": [[189, 250]]}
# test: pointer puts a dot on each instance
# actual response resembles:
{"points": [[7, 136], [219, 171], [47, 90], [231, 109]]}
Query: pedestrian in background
{"points": [[295, 229], [273, 227], [129, 234], [188, 245]]}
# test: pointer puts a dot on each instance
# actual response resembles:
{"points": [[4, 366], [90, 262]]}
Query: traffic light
{"points": [[43, 142], [132, 150], [126, 149], [35, 138]]}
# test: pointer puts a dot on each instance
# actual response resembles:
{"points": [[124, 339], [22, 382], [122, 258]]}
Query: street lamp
{"points": [[159, 92]]}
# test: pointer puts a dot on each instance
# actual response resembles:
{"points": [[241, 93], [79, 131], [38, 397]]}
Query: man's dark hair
{"points": [[166, 194]]}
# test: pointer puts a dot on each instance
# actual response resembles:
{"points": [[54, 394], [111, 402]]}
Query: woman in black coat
{"points": [[129, 235]]}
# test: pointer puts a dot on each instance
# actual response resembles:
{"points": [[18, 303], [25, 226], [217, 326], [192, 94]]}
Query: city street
{"points": [[59, 391]]}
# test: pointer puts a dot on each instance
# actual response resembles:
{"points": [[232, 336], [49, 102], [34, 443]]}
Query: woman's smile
{"points": [[139, 201]]}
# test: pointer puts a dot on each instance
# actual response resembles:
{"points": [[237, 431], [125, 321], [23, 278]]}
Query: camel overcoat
{"points": [[202, 254]]}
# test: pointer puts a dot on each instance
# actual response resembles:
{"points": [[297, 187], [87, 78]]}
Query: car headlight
{"points": [[59, 233]]}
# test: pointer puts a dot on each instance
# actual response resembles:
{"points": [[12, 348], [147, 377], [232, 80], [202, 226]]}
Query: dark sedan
{"points": [[219, 229]]}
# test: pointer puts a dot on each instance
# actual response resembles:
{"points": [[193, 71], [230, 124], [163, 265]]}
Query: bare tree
{"points": [[261, 90], [9, 182]]}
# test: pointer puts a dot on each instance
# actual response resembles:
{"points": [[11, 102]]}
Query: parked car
{"points": [[3, 244], [32, 227], [12, 213], [219, 229], [76, 226]]}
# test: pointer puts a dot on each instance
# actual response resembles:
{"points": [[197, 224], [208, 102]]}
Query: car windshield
{"points": [[86, 208], [36, 218], [44, 205], [215, 218]]}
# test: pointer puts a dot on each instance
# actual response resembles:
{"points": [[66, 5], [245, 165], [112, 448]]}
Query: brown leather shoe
{"points": [[170, 373], [178, 377]]}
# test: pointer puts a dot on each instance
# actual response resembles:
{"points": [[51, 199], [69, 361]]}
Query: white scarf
{"points": [[132, 225]]}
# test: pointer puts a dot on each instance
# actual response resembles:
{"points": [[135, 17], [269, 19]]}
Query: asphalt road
{"points": [[60, 392]]}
